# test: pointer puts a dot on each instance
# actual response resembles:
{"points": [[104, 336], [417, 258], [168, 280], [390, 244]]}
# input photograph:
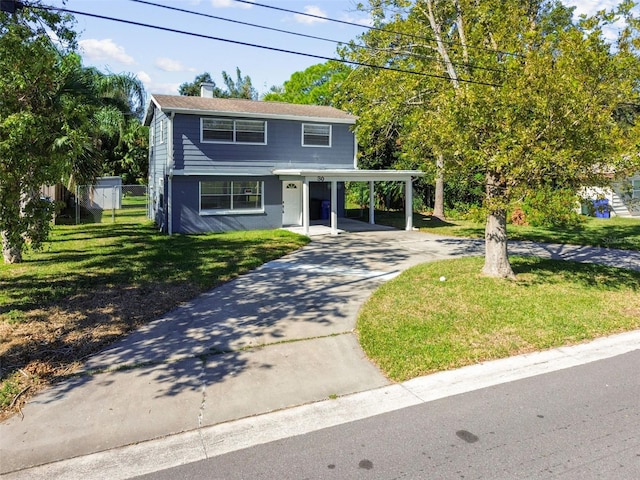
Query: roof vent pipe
{"points": [[206, 89]]}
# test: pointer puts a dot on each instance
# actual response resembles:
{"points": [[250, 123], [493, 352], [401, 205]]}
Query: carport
{"points": [[305, 176]]}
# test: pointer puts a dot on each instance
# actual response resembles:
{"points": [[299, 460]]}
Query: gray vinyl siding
{"points": [[284, 147], [158, 155], [186, 207]]}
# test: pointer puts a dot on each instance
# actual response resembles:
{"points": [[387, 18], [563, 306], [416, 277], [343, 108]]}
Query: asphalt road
{"points": [[578, 423]]}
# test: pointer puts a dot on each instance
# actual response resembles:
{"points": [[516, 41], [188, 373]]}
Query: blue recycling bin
{"points": [[601, 207], [325, 210]]}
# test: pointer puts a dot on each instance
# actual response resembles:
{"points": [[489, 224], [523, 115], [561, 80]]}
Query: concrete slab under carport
{"points": [[344, 225]]}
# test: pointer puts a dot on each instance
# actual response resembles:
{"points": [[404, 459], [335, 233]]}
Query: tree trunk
{"points": [[438, 207], [496, 259], [461, 33], [436, 26], [10, 252]]}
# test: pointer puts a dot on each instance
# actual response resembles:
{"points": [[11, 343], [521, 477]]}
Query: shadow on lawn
{"points": [[587, 274]]}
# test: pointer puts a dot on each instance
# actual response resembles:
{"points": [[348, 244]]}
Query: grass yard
{"points": [[416, 324], [92, 283]]}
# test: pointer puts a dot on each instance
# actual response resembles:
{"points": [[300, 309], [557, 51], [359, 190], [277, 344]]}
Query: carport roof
{"points": [[353, 175]]}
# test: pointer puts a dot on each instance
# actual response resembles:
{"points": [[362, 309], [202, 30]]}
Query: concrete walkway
{"points": [[275, 338]]}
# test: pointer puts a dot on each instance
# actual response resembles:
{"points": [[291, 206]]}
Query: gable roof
{"points": [[235, 107]]}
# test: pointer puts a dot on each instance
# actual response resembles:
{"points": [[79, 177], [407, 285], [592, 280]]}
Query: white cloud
{"points": [[228, 4], [364, 21], [590, 7], [170, 65], [143, 76], [311, 10], [100, 50], [157, 87]]}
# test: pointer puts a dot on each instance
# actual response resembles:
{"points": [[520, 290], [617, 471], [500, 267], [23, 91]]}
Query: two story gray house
{"points": [[230, 164]]}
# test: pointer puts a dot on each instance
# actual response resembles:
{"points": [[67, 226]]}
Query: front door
{"points": [[291, 203]]}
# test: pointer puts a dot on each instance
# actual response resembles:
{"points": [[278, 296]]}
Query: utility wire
{"points": [[377, 29], [288, 32], [273, 49], [239, 22]]}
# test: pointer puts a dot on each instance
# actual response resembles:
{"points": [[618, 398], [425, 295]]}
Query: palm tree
{"points": [[99, 106]]}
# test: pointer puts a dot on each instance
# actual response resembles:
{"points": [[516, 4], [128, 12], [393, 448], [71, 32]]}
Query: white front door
{"points": [[291, 203]]}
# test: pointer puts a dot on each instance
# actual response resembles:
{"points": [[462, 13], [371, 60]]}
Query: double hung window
{"points": [[228, 130], [316, 135]]}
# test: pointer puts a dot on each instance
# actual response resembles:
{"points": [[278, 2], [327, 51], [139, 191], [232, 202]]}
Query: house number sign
{"points": [[321, 179]]}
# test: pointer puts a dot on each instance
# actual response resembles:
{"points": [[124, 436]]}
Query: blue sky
{"points": [[164, 60]]}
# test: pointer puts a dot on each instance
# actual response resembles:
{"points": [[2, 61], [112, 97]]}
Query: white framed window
{"points": [[152, 136], [225, 197], [161, 131], [228, 130], [635, 185], [316, 135]]}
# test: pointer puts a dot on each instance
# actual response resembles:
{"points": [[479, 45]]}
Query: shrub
{"points": [[549, 207]]}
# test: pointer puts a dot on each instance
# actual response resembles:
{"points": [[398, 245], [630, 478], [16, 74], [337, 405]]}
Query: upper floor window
{"points": [[314, 135], [227, 130]]}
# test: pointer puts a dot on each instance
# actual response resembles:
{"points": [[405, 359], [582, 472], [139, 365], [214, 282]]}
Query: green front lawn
{"points": [[416, 324]]}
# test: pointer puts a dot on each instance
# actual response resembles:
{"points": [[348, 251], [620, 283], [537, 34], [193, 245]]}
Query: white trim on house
{"points": [[346, 175], [234, 131], [311, 145], [231, 195]]}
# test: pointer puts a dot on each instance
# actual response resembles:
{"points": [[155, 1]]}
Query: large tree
{"points": [[53, 118], [317, 85], [517, 90], [32, 81]]}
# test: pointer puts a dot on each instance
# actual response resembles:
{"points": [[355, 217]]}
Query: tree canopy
{"points": [[517, 91], [317, 85], [241, 87]]}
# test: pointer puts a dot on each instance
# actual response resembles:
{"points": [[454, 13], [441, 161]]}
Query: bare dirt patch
{"points": [[50, 343]]}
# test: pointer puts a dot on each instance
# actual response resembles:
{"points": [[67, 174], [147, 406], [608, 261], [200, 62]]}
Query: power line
{"points": [[238, 22], [377, 29], [288, 32], [264, 47]]}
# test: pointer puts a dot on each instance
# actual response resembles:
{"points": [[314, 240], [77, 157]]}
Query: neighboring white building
{"points": [[623, 199]]}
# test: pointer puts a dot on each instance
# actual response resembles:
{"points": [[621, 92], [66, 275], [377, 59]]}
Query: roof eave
{"points": [[272, 116], [148, 114]]}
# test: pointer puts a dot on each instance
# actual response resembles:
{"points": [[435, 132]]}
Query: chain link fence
{"points": [[111, 203]]}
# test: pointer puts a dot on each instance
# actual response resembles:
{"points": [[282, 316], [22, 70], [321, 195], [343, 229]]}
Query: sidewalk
{"points": [[278, 337]]}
